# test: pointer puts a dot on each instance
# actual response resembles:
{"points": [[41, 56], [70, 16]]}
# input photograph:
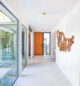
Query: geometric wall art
{"points": [[64, 43]]}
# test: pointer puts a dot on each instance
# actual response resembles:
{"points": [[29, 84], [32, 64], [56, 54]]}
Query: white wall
{"points": [[32, 44], [69, 61]]}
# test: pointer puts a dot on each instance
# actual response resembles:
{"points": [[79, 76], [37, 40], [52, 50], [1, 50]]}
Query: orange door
{"points": [[38, 42]]}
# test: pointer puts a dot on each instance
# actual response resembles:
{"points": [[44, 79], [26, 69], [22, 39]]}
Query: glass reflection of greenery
{"points": [[7, 45]]}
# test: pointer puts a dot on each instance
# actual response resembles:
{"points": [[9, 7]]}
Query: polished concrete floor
{"points": [[42, 71]]}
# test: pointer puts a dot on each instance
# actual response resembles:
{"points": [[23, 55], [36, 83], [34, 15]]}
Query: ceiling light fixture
{"points": [[44, 13]]}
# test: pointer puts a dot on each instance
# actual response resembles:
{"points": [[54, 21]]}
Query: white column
{"points": [[27, 44], [32, 44]]}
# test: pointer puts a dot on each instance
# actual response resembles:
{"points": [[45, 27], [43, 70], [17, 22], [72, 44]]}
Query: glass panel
{"points": [[8, 49], [23, 46], [4, 18], [46, 43]]}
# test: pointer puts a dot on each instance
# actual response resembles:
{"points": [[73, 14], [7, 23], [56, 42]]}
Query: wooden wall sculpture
{"points": [[63, 42]]}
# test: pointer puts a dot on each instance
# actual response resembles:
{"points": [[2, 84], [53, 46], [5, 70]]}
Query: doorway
{"points": [[42, 43], [38, 43]]}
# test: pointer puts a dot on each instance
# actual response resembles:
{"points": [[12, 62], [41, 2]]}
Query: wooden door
{"points": [[38, 43]]}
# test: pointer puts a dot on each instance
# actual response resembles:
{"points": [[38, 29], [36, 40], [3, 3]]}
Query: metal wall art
{"points": [[64, 43]]}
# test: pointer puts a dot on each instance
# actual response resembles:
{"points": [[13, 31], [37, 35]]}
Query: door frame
{"points": [[49, 43], [25, 44], [43, 43]]}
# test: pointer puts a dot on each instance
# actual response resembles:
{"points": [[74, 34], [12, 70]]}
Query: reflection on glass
{"points": [[8, 49], [23, 46], [46, 43], [4, 18]]}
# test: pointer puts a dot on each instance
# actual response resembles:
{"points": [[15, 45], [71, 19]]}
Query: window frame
{"points": [[25, 44]]}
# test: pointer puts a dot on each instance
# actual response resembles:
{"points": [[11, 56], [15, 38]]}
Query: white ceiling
{"points": [[30, 12]]}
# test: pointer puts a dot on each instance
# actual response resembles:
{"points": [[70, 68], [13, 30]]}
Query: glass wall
{"points": [[8, 47], [24, 46], [47, 41]]}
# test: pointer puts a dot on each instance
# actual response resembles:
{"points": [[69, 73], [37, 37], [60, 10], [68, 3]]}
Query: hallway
{"points": [[39, 42], [42, 71]]}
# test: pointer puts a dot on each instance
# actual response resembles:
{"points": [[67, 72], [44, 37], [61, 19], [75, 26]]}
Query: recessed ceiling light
{"points": [[44, 13]]}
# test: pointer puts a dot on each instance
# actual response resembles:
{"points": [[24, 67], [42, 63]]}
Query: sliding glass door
{"points": [[46, 43], [8, 47], [24, 46]]}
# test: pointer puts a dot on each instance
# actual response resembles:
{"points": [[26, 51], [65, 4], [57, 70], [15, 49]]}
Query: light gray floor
{"points": [[42, 72]]}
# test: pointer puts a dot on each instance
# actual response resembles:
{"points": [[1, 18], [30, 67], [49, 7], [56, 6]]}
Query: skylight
{"points": [[4, 18]]}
